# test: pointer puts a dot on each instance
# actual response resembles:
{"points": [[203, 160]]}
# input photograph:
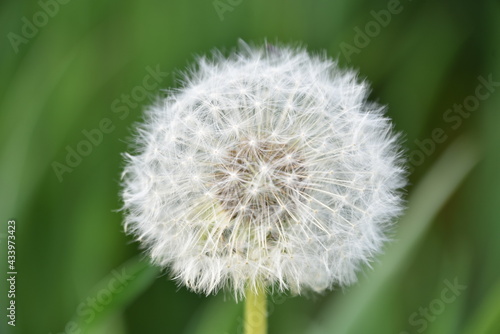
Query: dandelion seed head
{"points": [[266, 168]]}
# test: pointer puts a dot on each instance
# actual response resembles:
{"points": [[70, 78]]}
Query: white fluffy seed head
{"points": [[269, 167]]}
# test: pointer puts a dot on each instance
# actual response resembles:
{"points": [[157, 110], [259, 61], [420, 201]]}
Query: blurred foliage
{"points": [[61, 77]]}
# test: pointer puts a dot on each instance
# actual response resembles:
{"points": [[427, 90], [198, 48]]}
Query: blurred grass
{"points": [[69, 237]]}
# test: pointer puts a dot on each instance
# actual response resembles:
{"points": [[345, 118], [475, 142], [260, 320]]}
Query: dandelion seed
{"points": [[269, 168]]}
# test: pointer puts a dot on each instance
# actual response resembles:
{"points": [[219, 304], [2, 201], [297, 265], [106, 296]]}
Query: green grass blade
{"points": [[123, 285], [425, 203]]}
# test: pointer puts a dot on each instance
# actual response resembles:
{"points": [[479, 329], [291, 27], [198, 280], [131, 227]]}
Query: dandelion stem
{"points": [[256, 311]]}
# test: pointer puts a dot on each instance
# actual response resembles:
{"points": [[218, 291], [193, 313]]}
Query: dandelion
{"points": [[268, 169]]}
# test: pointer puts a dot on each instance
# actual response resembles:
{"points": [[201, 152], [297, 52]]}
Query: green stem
{"points": [[256, 311]]}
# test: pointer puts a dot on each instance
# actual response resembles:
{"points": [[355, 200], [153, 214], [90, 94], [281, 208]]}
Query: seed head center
{"points": [[260, 181]]}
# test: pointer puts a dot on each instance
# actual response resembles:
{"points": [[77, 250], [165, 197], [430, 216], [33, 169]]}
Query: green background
{"points": [[66, 76]]}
